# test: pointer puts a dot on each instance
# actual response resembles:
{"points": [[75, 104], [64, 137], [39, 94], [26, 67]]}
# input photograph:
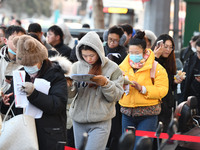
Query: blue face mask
{"points": [[10, 50], [31, 69], [136, 57]]}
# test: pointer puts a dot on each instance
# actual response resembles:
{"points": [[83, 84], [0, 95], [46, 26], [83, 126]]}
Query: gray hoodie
{"points": [[90, 104]]}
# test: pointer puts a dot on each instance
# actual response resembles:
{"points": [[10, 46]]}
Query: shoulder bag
{"points": [[18, 133]]}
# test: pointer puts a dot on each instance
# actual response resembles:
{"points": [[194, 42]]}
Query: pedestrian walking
{"points": [[141, 102], [33, 56], [94, 105]]}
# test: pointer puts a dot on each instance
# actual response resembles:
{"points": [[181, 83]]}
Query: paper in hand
{"points": [[43, 86], [21, 100], [82, 77]]}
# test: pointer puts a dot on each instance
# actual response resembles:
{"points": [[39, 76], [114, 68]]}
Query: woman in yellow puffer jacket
{"points": [[140, 104]]}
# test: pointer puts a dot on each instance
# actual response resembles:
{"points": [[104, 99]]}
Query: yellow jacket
{"points": [[155, 92]]}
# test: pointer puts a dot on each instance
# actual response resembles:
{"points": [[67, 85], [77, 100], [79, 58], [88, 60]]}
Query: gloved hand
{"points": [[28, 88], [100, 80]]}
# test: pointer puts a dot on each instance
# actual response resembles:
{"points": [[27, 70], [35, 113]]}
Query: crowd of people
{"points": [[132, 81]]}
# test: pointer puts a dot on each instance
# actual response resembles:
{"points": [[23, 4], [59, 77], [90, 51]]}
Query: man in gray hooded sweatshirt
{"points": [[94, 105]]}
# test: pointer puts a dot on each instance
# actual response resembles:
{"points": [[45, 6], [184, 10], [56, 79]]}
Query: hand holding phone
{"points": [[158, 50], [197, 75], [159, 43]]}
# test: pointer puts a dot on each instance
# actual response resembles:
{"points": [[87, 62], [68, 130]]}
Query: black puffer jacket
{"points": [[190, 86], [63, 49], [168, 100], [51, 127]]}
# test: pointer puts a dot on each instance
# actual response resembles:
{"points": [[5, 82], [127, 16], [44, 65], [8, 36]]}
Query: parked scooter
{"points": [[189, 122], [127, 140]]}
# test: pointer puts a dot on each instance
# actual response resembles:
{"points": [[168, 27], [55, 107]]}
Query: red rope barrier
{"points": [[69, 148], [178, 137]]}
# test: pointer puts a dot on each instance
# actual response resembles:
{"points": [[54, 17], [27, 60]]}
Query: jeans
{"points": [[145, 123]]}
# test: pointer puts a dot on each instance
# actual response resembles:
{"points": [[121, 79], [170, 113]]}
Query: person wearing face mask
{"points": [[140, 104], [8, 56], [191, 84], [190, 50], [33, 56]]}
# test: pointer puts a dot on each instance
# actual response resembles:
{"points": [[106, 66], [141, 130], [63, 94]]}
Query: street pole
{"points": [[157, 16], [176, 25]]}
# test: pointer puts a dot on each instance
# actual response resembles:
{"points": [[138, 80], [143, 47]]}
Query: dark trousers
{"points": [[116, 130]]}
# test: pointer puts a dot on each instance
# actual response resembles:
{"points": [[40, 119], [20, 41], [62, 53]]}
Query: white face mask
{"points": [[31, 69], [193, 49]]}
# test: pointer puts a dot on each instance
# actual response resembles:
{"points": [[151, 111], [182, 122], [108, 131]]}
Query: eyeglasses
{"points": [[113, 40], [168, 47]]}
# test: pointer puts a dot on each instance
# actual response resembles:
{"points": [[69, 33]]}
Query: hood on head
{"points": [[150, 35], [67, 34], [92, 39]]}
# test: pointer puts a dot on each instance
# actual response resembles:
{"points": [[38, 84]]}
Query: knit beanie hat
{"points": [[29, 50]]}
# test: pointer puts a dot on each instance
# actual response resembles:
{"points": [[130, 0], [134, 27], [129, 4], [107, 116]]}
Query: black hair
{"points": [[84, 47], [86, 26], [194, 38], [139, 40], [3, 29], [198, 42], [57, 31], [12, 29], [117, 30], [18, 21], [34, 27], [164, 37], [34, 36], [127, 28], [170, 62]]}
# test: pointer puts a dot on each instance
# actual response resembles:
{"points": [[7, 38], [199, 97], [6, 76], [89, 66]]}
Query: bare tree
{"points": [[98, 14]]}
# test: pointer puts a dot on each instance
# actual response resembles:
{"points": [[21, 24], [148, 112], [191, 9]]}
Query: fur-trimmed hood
{"points": [[64, 63]]}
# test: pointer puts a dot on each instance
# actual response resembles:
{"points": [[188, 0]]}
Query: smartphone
{"points": [[159, 43], [197, 75]]}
